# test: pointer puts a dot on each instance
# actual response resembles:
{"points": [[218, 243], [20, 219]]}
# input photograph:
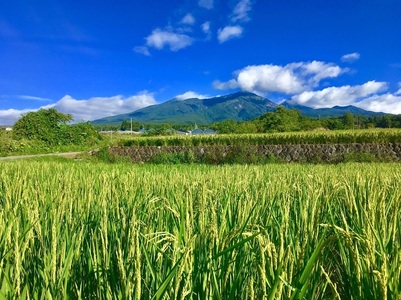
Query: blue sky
{"points": [[99, 58]]}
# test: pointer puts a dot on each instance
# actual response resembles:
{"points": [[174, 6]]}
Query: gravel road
{"points": [[65, 154]]}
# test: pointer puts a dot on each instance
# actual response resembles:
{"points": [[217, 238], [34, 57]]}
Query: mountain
{"points": [[329, 112], [239, 107]]}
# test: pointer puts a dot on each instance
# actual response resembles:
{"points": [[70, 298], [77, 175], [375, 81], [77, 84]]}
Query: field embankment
{"points": [[314, 147]]}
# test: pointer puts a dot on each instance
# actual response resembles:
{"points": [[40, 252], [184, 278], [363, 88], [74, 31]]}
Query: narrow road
{"points": [[65, 154]]}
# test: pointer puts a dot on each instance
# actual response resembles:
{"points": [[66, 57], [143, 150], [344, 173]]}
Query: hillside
{"points": [[329, 112], [239, 106]]}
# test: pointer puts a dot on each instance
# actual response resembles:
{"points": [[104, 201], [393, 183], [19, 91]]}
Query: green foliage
{"points": [[50, 126], [160, 130], [46, 125], [126, 125], [282, 120]]}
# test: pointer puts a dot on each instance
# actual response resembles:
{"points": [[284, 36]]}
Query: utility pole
{"points": [[131, 126]]}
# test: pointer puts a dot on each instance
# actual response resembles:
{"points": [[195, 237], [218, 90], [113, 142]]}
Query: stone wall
{"points": [[329, 153]]}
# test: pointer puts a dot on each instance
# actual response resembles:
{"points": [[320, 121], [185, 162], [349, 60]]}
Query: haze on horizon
{"points": [[95, 59]]}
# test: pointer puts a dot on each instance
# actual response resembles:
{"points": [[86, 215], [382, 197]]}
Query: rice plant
{"points": [[95, 231], [306, 137]]}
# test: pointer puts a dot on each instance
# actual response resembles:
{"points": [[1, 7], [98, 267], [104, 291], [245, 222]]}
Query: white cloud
{"points": [[190, 95], [206, 27], [228, 85], [342, 96], [89, 109], [290, 79], [399, 91], [319, 71], [9, 116], [241, 11], [229, 32], [188, 19], [175, 41], [208, 4], [142, 50], [387, 103], [26, 97], [351, 57]]}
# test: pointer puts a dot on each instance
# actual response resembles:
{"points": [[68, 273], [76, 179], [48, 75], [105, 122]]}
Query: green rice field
{"points": [[80, 230]]}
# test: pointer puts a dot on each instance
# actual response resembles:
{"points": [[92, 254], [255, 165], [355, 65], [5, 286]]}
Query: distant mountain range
{"points": [[239, 106]]}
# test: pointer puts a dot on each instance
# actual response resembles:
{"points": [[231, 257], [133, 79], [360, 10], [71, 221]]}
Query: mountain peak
{"points": [[238, 106]]}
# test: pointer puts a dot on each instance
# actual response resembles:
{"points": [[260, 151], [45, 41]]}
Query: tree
{"points": [[126, 125], [282, 120], [349, 120], [50, 126], [44, 124]]}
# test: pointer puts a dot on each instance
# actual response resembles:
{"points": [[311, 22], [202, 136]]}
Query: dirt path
{"points": [[65, 154]]}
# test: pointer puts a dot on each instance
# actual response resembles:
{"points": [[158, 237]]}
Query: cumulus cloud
{"points": [[89, 109], [229, 32], [180, 33], [165, 38], [342, 96], [190, 95], [351, 57], [9, 116], [387, 103], [241, 11], [290, 79], [188, 19], [208, 4]]}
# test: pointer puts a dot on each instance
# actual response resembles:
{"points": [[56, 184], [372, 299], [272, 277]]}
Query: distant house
{"points": [[127, 132], [9, 128], [209, 131], [197, 131]]}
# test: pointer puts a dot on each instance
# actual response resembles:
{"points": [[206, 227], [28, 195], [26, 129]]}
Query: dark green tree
{"points": [[349, 120], [282, 120], [45, 125], [126, 125], [51, 126], [226, 127]]}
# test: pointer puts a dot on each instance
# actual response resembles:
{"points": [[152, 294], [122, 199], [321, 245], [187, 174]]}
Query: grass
{"points": [[91, 230], [10, 146]]}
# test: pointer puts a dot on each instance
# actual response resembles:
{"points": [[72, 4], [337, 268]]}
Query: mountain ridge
{"points": [[240, 106]]}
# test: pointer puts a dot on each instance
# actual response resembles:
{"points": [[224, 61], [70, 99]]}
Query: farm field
{"points": [[80, 230]]}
